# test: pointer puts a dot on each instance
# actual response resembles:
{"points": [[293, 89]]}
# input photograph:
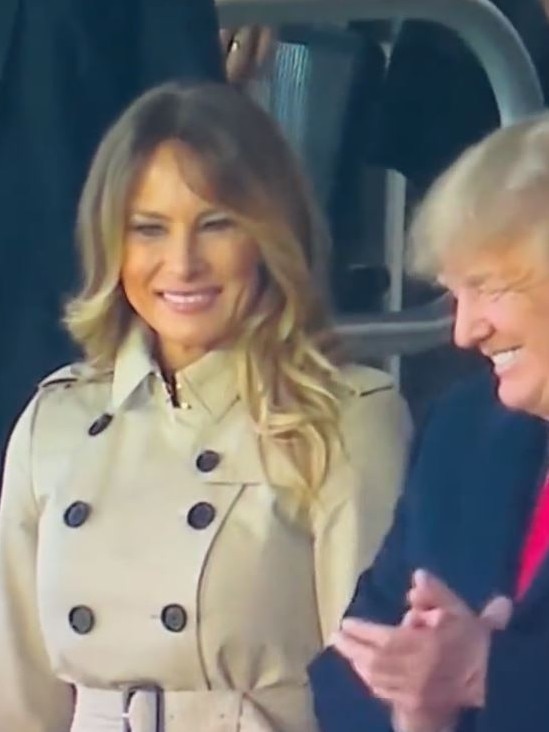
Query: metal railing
{"points": [[507, 64]]}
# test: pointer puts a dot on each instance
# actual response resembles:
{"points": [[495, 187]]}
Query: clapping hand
{"points": [[434, 663]]}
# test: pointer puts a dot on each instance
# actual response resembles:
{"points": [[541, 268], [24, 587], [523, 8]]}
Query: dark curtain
{"points": [[67, 68]]}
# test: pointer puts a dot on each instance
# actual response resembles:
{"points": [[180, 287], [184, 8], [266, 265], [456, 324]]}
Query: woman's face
{"points": [[189, 270], [502, 309]]}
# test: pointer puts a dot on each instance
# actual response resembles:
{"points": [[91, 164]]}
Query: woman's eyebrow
{"points": [[148, 214]]}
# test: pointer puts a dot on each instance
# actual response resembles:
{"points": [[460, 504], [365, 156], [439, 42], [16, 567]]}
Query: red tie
{"points": [[536, 544]]}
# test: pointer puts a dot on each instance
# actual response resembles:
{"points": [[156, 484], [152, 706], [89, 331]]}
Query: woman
{"points": [[184, 514], [450, 627]]}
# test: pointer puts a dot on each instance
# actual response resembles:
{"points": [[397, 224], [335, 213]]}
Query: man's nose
{"points": [[470, 323]]}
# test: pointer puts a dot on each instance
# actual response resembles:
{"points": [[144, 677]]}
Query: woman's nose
{"points": [[183, 256]]}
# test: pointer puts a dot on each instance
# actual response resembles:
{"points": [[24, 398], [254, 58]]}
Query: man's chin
{"points": [[513, 399]]}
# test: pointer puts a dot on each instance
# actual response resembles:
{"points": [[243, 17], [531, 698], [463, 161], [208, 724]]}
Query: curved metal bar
{"points": [[480, 24], [407, 331], [502, 54]]}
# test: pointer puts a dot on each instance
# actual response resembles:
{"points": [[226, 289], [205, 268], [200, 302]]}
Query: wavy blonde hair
{"points": [[285, 349]]}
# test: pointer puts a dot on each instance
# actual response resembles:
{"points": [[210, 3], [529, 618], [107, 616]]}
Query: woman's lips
{"points": [[194, 301]]}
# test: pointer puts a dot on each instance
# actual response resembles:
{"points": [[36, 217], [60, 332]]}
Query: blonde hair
{"points": [[494, 197], [285, 350]]}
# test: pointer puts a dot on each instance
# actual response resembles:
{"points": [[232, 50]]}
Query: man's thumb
{"points": [[497, 613], [429, 592]]}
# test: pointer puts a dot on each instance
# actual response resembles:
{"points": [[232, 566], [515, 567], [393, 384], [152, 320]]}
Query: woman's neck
{"points": [[173, 357]]}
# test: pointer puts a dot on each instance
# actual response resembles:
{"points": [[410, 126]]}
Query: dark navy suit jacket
{"points": [[463, 515], [67, 68]]}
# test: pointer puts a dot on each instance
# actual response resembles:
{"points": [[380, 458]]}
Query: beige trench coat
{"points": [[151, 549]]}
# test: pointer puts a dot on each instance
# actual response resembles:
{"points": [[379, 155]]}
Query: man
{"points": [[449, 629]]}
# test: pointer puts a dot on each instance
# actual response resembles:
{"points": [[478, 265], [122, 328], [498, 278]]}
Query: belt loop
{"points": [[159, 710]]}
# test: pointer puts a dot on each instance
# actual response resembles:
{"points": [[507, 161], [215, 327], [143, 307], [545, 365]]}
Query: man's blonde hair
{"points": [[493, 198]]}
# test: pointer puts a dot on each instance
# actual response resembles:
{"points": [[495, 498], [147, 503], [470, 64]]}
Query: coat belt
{"points": [[154, 710]]}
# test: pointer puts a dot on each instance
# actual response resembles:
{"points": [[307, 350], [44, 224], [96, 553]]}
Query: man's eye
{"points": [[494, 293]]}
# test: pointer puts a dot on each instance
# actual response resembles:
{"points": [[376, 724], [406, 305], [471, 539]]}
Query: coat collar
{"points": [[209, 388], [207, 385], [132, 366]]}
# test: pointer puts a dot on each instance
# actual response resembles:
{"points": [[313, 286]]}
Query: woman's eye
{"points": [[149, 231], [219, 223]]}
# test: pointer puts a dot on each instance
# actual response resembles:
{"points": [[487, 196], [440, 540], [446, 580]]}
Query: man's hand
{"points": [[434, 663], [246, 50]]}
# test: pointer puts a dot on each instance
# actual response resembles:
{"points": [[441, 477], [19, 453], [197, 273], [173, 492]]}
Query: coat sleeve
{"points": [[356, 505], [31, 698], [342, 703]]}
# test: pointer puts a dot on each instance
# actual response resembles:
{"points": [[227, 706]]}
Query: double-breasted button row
{"points": [[206, 461], [82, 619], [200, 516]]}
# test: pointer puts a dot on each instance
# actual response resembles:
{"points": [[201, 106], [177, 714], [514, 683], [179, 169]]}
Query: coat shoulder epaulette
{"points": [[71, 375], [365, 380]]}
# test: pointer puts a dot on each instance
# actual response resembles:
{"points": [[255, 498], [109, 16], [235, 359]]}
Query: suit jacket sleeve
{"points": [[32, 699], [517, 687], [356, 505]]}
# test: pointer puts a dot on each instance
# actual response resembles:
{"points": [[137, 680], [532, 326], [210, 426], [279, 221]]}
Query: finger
{"points": [[429, 592], [392, 674], [388, 694], [359, 657], [225, 39], [393, 677], [241, 55], [406, 661], [353, 650], [423, 618], [372, 633], [390, 642], [497, 613], [265, 46], [413, 619]]}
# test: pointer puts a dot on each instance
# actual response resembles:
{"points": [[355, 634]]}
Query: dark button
{"points": [[174, 618], [77, 514], [208, 461], [100, 424], [81, 619], [201, 515]]}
